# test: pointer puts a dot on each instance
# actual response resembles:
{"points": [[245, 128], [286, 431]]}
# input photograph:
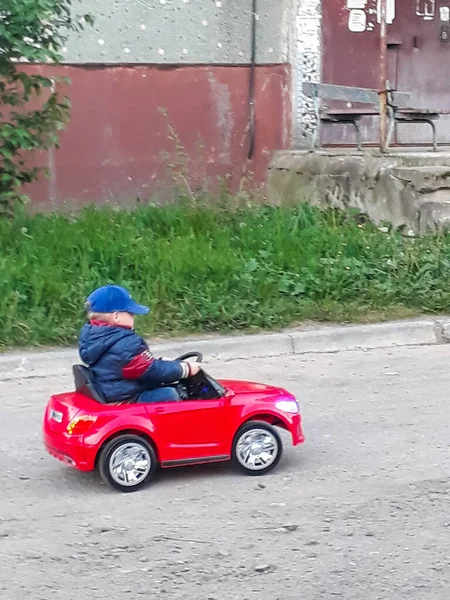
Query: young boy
{"points": [[120, 360]]}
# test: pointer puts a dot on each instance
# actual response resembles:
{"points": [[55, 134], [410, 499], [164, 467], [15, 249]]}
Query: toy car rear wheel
{"points": [[257, 448], [127, 463]]}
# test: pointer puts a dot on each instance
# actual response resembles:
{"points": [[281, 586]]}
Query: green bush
{"points": [[32, 108], [213, 269]]}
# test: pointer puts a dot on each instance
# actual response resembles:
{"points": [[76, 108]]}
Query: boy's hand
{"points": [[194, 367]]}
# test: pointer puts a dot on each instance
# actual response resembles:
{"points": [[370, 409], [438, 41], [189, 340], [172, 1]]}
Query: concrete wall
{"points": [[306, 61], [140, 132], [409, 190], [180, 31], [160, 99]]}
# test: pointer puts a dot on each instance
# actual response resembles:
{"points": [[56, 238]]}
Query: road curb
{"points": [[380, 335], [323, 340]]}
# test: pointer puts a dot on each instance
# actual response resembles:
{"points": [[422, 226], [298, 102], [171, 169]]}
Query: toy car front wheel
{"points": [[127, 463], [257, 448]]}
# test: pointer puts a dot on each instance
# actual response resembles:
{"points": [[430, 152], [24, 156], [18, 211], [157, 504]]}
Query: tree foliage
{"points": [[32, 107]]}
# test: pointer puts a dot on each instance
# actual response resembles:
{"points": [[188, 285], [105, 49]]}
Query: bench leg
{"points": [[355, 125], [316, 135], [433, 127], [358, 134], [430, 123], [390, 131]]}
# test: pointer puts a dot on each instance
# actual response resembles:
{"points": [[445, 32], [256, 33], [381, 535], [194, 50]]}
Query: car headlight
{"points": [[288, 406]]}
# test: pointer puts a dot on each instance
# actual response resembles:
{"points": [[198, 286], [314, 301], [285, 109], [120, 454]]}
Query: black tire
{"points": [[238, 458], [112, 448]]}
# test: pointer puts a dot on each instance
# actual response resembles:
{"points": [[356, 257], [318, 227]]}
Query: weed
{"points": [[213, 268]]}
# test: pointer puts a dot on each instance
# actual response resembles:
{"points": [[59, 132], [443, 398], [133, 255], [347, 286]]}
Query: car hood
{"points": [[249, 387]]}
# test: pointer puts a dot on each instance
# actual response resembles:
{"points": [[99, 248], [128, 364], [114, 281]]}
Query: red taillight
{"points": [[80, 425]]}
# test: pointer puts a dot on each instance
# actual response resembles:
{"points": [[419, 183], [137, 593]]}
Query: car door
{"points": [[192, 430]]}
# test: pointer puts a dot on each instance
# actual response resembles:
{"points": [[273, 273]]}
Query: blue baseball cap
{"points": [[113, 298]]}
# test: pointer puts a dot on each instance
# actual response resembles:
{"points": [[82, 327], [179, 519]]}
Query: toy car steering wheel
{"points": [[197, 355]]}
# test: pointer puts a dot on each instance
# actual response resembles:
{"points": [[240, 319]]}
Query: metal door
{"points": [[418, 43], [421, 52], [350, 56]]}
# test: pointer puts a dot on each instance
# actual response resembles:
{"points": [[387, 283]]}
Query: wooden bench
{"points": [[398, 108]]}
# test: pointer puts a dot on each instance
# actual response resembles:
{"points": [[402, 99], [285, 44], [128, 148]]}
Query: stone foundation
{"points": [[410, 190]]}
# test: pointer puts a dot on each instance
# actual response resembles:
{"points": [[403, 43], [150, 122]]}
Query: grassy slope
{"points": [[204, 269]]}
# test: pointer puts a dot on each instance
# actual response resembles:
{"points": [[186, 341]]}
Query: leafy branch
{"points": [[32, 107]]}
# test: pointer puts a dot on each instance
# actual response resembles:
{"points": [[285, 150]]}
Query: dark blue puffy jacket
{"points": [[107, 349]]}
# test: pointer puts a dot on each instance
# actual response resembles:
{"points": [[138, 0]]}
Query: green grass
{"points": [[213, 269]]}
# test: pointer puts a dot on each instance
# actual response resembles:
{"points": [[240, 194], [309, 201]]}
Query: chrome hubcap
{"points": [[256, 449], [130, 464]]}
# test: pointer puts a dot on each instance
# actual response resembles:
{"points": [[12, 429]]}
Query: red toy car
{"points": [[215, 421]]}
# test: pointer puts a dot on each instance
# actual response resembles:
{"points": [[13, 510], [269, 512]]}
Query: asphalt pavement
{"points": [[359, 512]]}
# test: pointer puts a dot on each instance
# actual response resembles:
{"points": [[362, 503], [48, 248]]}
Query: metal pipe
{"points": [[383, 74], [251, 85]]}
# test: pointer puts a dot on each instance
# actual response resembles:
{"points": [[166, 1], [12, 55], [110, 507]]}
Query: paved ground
{"points": [[361, 511]]}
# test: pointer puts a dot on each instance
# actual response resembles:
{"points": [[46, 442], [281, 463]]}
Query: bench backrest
{"points": [[399, 99], [345, 93]]}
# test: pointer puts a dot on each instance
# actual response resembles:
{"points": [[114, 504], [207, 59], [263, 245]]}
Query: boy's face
{"points": [[123, 319]]}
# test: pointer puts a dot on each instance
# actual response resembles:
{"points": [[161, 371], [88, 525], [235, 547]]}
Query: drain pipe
{"points": [[251, 83], [383, 74]]}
